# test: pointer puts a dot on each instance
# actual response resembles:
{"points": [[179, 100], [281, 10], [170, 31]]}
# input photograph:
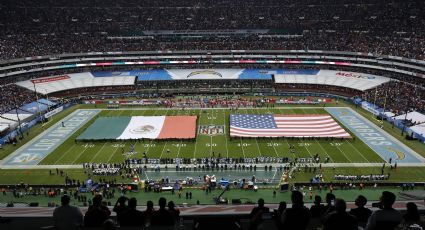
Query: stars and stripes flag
{"points": [[269, 125]]}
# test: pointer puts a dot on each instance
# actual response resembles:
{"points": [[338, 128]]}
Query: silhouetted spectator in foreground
{"points": [[412, 216], [255, 216], [330, 204], [387, 218], [361, 213], [67, 216], [120, 207], [97, 214], [281, 208], [108, 225], [317, 208], [148, 212], [173, 210], [162, 217], [278, 213], [298, 216], [132, 217], [340, 219]]}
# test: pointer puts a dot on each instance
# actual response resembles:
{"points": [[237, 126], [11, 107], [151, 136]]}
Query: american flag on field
{"points": [[268, 125]]}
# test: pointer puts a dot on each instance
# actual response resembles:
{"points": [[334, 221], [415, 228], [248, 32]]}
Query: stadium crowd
{"points": [[53, 27], [13, 96], [331, 215], [397, 97], [98, 214]]}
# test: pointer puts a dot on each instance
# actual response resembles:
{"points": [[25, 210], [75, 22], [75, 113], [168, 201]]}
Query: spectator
{"points": [[298, 216], [412, 216], [255, 216], [132, 217], [173, 210], [330, 204], [97, 213], [278, 213], [162, 217], [340, 218], [281, 208], [148, 212], [108, 225], [13, 96], [361, 213], [387, 218], [317, 208], [120, 207], [67, 216], [406, 97], [20, 31]]}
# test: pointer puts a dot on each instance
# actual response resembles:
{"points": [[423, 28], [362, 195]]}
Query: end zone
{"points": [[33, 152], [385, 145]]}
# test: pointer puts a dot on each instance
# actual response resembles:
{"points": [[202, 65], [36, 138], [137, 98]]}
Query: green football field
{"points": [[77, 153], [339, 151]]}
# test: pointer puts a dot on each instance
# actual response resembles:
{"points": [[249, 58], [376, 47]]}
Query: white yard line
{"points": [[336, 146], [146, 149], [64, 154], [258, 147], [354, 147], [243, 151], [79, 156], [305, 146], [162, 152], [213, 122], [181, 141], [308, 151], [113, 153], [178, 151], [293, 154], [110, 157], [196, 141], [211, 146], [344, 154], [272, 140], [225, 133], [165, 142], [326, 152], [97, 153]]}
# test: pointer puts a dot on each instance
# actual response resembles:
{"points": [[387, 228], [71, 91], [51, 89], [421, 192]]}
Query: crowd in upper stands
{"points": [[13, 96], [397, 97], [333, 215], [51, 27]]}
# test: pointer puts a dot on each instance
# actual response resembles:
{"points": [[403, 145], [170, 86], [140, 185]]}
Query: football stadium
{"points": [[276, 114]]}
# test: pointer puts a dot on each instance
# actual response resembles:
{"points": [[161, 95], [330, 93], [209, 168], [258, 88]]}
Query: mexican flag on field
{"points": [[141, 127]]}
